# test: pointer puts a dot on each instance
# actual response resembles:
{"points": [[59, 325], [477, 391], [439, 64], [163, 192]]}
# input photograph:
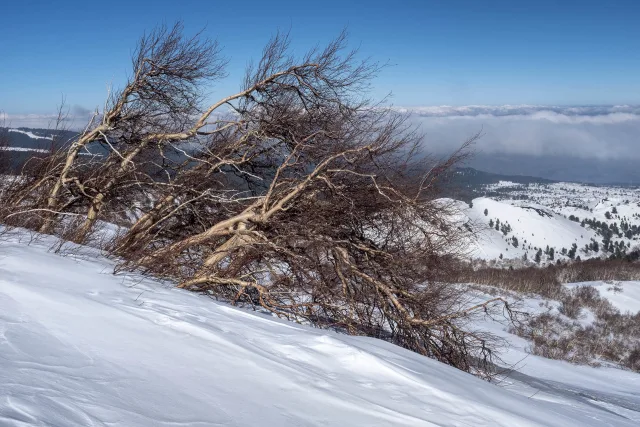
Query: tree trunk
{"points": [[223, 228], [132, 239], [98, 200], [72, 155]]}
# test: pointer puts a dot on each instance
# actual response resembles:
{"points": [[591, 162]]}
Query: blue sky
{"points": [[442, 52]]}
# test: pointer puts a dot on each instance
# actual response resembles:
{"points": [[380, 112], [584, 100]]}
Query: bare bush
{"points": [[531, 280], [547, 281], [303, 198], [599, 269], [571, 307], [633, 359], [613, 337]]}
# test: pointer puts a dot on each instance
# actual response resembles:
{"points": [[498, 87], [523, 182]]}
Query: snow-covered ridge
{"points": [[35, 150], [81, 347], [31, 134]]}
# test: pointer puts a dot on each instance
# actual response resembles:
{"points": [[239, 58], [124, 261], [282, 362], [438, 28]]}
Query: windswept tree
{"points": [[297, 194], [155, 108]]}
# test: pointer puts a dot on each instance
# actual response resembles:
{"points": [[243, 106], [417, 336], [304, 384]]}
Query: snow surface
{"points": [[82, 347], [627, 299], [504, 184]]}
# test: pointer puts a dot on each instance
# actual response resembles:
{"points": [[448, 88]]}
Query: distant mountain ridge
{"points": [[467, 183], [472, 176], [27, 143], [464, 178], [36, 138], [562, 168]]}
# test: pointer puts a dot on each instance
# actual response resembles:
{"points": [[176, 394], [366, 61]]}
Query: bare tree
{"points": [[155, 106], [24, 194], [296, 194]]}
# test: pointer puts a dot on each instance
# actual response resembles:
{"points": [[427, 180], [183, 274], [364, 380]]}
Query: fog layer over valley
{"points": [[596, 144]]}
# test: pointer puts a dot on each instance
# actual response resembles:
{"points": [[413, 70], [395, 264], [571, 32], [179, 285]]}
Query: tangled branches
{"points": [[303, 198]]}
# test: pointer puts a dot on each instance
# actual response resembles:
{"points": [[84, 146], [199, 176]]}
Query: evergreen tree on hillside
{"points": [[486, 212], [538, 257], [572, 251]]}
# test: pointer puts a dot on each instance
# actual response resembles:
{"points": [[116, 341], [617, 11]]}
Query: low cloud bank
{"points": [[75, 120], [583, 132], [588, 132]]}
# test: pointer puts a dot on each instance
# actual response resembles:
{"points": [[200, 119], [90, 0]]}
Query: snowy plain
{"points": [[82, 347]]}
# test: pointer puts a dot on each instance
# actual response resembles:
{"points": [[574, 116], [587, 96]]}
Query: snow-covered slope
{"points": [[625, 296], [81, 347], [567, 214], [533, 225]]}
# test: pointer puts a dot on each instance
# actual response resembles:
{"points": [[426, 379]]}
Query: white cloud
{"points": [[519, 110], [588, 132], [43, 121], [598, 132]]}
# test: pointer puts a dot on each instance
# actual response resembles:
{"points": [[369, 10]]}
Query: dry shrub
{"points": [[571, 307], [633, 359], [547, 281], [599, 269], [530, 280], [613, 337], [306, 199]]}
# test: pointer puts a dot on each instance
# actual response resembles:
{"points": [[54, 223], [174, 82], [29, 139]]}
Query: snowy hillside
{"points": [[533, 226], [81, 347], [25, 140], [519, 220]]}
